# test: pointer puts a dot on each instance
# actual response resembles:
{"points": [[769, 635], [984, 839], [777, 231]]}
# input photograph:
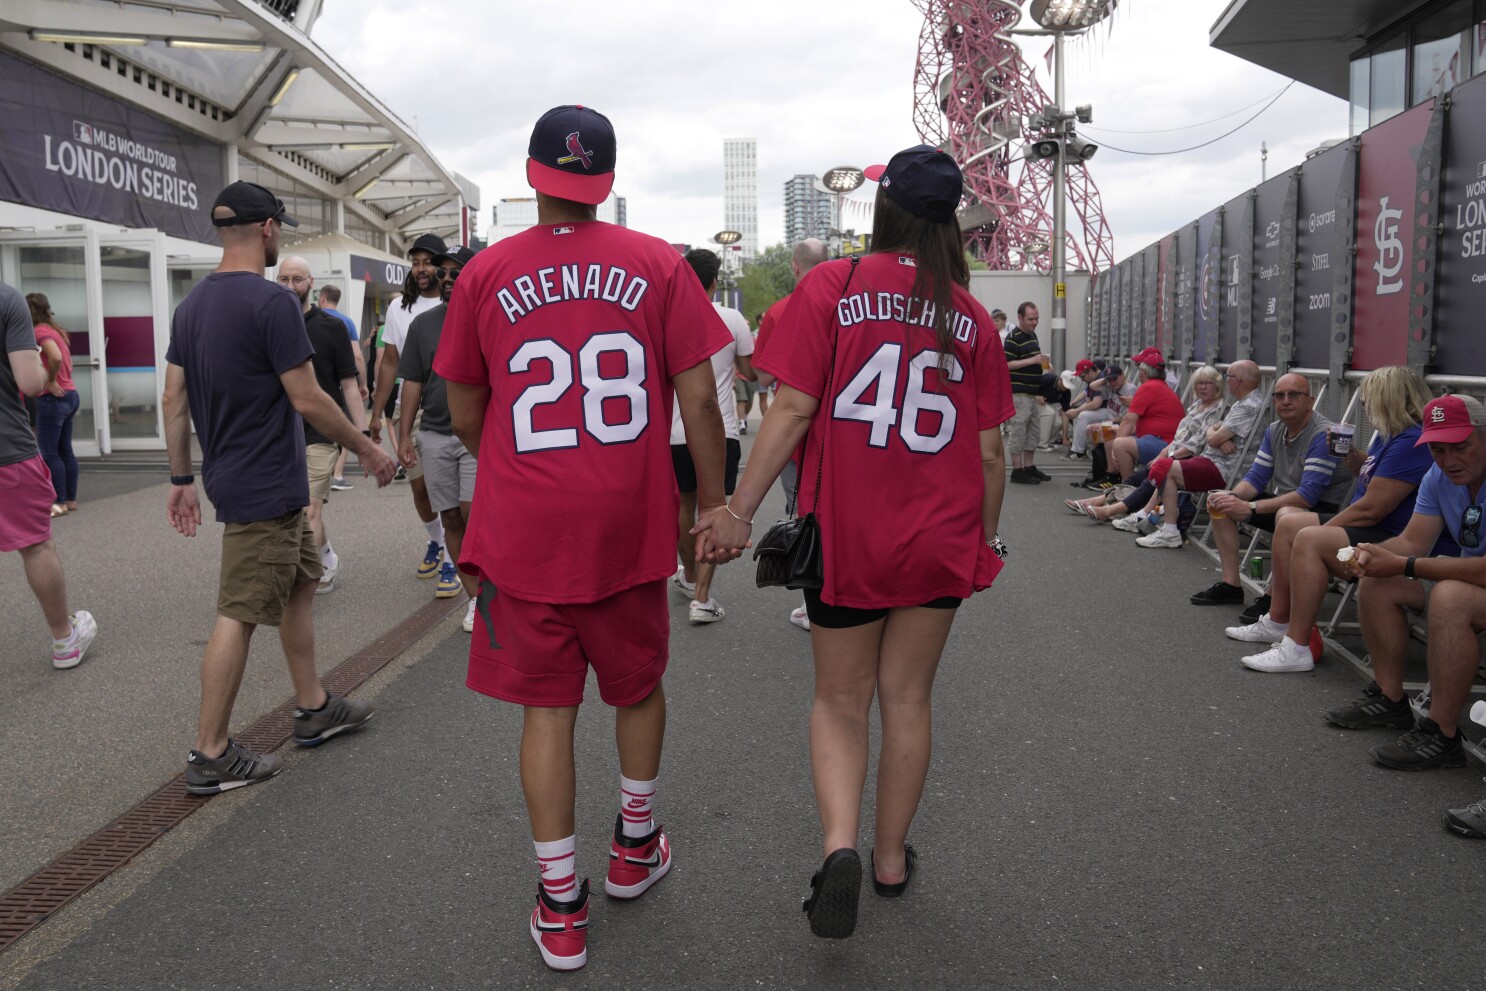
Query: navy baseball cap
{"points": [[248, 203], [1112, 372], [431, 243], [922, 180], [571, 155]]}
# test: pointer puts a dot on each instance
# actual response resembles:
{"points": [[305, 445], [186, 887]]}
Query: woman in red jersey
{"points": [[899, 373]]}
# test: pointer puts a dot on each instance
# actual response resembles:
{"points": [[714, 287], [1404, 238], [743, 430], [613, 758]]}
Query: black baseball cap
{"points": [[249, 203], [571, 155], [459, 253], [431, 243], [922, 180]]}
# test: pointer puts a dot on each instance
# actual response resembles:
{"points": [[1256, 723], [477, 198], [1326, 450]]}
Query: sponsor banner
{"points": [[1268, 268], [1165, 282], [1236, 252], [77, 151], [1317, 249], [1185, 310], [1206, 291], [1461, 277], [378, 271], [1150, 301], [1387, 185]]}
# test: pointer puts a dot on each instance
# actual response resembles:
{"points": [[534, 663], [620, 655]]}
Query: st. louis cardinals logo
{"points": [[576, 153], [1437, 415]]}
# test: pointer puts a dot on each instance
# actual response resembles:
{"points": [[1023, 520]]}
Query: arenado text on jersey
{"points": [[894, 306], [558, 284]]}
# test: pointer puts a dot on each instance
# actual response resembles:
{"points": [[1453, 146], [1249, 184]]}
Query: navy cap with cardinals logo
{"points": [[571, 155], [922, 180]]}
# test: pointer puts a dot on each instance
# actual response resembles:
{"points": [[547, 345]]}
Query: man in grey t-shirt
{"points": [[26, 522]]}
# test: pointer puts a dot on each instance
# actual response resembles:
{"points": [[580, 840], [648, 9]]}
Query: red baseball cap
{"points": [[1451, 419], [1085, 366], [571, 155], [1152, 357]]}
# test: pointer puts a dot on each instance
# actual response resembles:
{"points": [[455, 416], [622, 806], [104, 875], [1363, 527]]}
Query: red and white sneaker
{"points": [[635, 863], [560, 929]]}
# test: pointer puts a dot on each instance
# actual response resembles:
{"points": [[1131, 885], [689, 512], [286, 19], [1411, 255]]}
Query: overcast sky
{"points": [[818, 85]]}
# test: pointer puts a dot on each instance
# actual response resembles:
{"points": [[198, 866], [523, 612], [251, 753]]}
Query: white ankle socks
{"points": [[636, 805], [435, 528], [556, 864]]}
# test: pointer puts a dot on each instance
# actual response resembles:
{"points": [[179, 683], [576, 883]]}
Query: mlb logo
{"points": [[82, 133], [1481, 170], [563, 230]]}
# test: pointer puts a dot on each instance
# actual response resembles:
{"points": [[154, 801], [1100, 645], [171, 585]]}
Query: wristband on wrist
{"points": [[1408, 568], [735, 515], [182, 479]]}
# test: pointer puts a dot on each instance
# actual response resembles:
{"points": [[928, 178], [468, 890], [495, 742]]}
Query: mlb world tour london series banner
{"points": [[71, 149]]}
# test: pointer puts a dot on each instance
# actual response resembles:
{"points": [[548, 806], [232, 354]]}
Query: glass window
{"points": [[1389, 82], [1442, 51], [1361, 94], [1479, 45]]}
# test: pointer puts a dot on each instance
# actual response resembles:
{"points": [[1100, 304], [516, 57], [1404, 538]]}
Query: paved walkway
{"points": [[1114, 802]]}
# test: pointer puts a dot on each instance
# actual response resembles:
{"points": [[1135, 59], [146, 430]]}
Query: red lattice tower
{"points": [[973, 96]]}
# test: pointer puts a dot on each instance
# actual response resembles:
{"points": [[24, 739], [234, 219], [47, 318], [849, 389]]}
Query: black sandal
{"points": [[835, 888], [910, 857]]}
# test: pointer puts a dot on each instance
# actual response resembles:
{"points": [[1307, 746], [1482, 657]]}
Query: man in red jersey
{"points": [[561, 351]]}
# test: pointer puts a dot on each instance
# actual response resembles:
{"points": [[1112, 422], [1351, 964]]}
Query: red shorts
{"points": [[1198, 474], [27, 494], [533, 653]]}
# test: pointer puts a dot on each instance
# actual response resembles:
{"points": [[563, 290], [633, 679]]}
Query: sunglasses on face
{"points": [[1470, 527], [1291, 396], [446, 273]]}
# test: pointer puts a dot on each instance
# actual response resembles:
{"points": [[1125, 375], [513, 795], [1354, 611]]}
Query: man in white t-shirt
{"points": [[420, 294], [695, 580]]}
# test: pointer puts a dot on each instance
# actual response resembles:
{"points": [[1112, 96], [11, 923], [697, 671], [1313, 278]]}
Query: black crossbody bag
{"points": [[789, 554]]}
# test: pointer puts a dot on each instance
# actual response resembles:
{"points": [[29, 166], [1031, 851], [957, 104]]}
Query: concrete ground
{"points": [[1114, 801]]}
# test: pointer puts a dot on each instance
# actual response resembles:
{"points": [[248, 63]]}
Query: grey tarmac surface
{"points": [[1114, 802]]}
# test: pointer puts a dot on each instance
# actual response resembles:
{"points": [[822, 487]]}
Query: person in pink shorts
{"points": [[26, 486]]}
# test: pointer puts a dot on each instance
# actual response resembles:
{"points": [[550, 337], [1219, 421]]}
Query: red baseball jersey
{"points": [[902, 487], [766, 326], [577, 329]]}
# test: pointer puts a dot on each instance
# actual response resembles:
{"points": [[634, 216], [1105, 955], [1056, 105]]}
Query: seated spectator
{"points": [[1086, 409], [1150, 423], [1305, 543], [1117, 392], [1293, 468], [1191, 438], [1397, 577]]}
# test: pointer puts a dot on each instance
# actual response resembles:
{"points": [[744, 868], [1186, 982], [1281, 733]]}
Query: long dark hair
{"points": [[938, 251], [41, 313], [409, 290]]}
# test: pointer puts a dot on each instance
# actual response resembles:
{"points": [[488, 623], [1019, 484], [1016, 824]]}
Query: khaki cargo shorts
{"points": [[262, 562], [319, 461]]}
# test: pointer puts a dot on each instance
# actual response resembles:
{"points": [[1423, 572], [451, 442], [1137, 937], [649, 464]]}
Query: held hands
{"points": [[1372, 561], [721, 536], [375, 425], [376, 463], [182, 509]]}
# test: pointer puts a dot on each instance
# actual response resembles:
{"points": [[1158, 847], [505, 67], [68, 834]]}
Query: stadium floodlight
{"points": [[1071, 15], [727, 237], [843, 179]]}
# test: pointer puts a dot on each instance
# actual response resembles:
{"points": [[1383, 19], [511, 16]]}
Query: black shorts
{"points": [[845, 617], [1267, 521], [686, 471], [1361, 534]]}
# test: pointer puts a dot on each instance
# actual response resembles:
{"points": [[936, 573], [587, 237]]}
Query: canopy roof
{"points": [[246, 72]]}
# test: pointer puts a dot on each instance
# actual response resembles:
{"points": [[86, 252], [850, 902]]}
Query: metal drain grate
{"points": [[35, 899]]}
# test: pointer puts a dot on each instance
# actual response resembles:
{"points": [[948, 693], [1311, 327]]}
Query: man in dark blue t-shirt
{"points": [[239, 369]]}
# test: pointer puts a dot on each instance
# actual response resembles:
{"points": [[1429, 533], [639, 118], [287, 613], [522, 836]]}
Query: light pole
{"points": [[1061, 18], [841, 180], [725, 277]]}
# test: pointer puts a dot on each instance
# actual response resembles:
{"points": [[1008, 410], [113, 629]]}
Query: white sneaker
{"points": [[1160, 539], [469, 618], [1130, 524], [327, 579], [800, 617], [69, 653], [1280, 659], [705, 612], [681, 584], [1265, 630]]}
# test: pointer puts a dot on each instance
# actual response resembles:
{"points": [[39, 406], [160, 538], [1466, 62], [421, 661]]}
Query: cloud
{"points": [[818, 85]]}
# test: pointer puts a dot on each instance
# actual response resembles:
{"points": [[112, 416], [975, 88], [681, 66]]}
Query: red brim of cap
{"points": [[592, 189], [1445, 435], [874, 172]]}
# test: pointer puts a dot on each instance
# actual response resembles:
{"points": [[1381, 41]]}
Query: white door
{"points": [[63, 265]]}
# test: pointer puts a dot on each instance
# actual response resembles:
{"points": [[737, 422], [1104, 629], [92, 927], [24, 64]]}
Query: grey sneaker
{"points": [[1421, 748], [238, 766], [1469, 821], [1372, 709], [338, 715]]}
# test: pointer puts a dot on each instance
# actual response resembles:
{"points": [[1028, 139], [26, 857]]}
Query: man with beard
{"points": [[420, 294], [238, 367], [336, 373], [448, 466]]}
